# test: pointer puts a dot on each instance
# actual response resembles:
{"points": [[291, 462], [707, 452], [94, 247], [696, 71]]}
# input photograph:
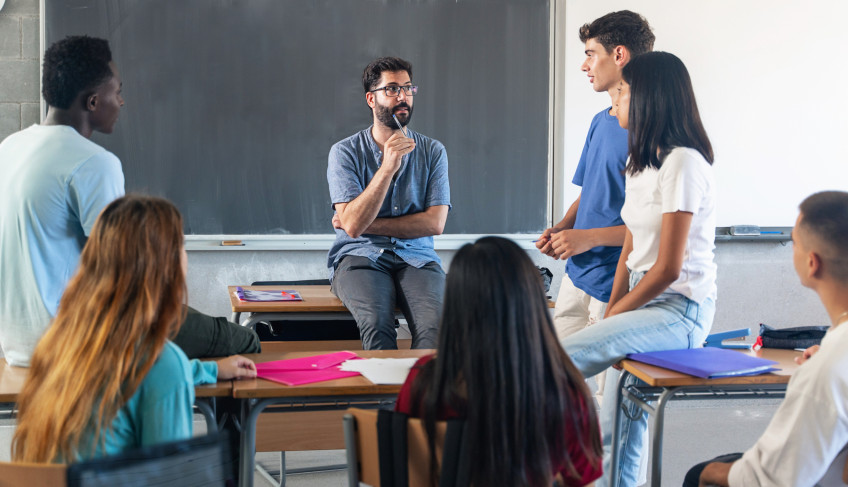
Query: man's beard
{"points": [[384, 115]]}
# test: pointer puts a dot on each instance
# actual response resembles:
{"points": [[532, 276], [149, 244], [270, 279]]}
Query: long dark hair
{"points": [[500, 366], [663, 112]]}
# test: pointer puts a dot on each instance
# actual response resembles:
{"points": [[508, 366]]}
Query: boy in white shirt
{"points": [[805, 443]]}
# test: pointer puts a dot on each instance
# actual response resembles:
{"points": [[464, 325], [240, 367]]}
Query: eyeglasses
{"points": [[394, 90]]}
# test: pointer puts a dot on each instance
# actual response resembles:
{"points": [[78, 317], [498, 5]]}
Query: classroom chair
{"points": [[194, 462], [389, 449]]}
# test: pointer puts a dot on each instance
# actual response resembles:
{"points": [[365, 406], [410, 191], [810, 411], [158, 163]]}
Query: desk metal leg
{"points": [[250, 413], [615, 440], [657, 442], [236, 316], [206, 406]]}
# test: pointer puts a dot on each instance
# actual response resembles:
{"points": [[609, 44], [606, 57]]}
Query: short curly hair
{"points": [[622, 28], [74, 65], [374, 71]]}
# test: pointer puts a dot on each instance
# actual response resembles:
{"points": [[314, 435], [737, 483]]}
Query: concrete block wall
{"points": [[19, 68]]}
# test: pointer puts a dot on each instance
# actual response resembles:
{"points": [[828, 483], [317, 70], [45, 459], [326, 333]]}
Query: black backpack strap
{"points": [[385, 448], [455, 472], [401, 446]]}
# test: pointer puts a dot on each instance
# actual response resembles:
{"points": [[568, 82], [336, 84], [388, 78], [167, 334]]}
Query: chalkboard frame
{"points": [[317, 240]]}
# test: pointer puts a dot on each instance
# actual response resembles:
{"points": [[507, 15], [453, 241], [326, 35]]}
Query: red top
{"points": [[581, 463]]}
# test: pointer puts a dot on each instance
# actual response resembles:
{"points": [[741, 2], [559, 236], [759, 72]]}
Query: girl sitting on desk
{"points": [[528, 412], [105, 377], [663, 296]]}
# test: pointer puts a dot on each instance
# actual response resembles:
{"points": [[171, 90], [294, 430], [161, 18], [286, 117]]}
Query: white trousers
{"points": [[575, 310]]}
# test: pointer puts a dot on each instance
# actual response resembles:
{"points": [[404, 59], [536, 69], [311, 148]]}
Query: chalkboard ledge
{"points": [[766, 234], [442, 242], [323, 242]]}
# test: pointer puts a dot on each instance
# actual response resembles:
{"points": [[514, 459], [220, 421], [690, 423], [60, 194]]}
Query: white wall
{"points": [[756, 281], [769, 79]]}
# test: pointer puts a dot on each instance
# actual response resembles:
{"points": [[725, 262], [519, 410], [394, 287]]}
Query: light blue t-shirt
{"points": [[600, 173], [160, 410], [422, 182], [53, 184]]}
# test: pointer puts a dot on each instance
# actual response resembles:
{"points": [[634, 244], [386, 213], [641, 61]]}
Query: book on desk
{"points": [[254, 295], [707, 363]]}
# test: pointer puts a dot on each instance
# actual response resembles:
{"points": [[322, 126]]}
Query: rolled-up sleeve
{"points": [[96, 183], [342, 178], [438, 185]]}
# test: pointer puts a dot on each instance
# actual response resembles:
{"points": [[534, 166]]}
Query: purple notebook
{"points": [[706, 362]]}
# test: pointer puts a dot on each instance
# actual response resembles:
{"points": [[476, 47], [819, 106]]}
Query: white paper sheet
{"points": [[381, 370]]}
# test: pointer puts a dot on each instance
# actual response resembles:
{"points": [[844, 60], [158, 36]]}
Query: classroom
{"points": [[758, 68]]}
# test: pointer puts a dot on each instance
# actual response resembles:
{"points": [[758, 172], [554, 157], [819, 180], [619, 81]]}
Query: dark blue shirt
{"points": [[421, 182], [601, 175]]}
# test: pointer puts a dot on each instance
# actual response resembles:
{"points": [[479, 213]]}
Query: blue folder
{"points": [[706, 362]]}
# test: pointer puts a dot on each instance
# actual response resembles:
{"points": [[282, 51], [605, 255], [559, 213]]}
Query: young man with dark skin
{"points": [[591, 233], [805, 442], [53, 183], [391, 194]]}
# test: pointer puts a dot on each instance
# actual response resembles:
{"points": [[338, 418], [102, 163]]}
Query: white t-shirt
{"points": [[805, 442], [53, 184], [685, 182]]}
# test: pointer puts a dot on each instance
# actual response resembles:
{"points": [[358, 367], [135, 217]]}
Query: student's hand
{"points": [[393, 151], [543, 243], [337, 222], [236, 367], [715, 473], [807, 354], [570, 242]]}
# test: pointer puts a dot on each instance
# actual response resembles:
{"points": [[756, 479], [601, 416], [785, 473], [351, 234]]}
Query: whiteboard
{"points": [[770, 81]]}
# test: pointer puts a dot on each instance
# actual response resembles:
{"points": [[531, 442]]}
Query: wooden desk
{"points": [[662, 385], [259, 394], [12, 382], [319, 303]]}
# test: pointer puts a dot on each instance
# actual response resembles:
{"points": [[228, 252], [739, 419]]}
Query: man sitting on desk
{"points": [[805, 443], [389, 187]]}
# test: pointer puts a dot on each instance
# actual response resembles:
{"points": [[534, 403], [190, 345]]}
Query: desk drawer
{"points": [[299, 431]]}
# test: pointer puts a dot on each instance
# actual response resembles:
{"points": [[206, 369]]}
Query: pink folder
{"points": [[306, 370], [306, 363], [298, 377]]}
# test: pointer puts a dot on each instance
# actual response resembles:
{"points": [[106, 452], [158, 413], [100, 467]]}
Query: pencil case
{"points": [[791, 338]]}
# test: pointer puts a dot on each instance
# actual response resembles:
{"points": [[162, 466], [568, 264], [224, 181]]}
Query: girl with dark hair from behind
{"points": [[105, 377], [663, 296], [529, 414]]}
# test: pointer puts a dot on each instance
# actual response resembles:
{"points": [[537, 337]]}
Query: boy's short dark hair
{"points": [[373, 72], [622, 28], [74, 65], [824, 216]]}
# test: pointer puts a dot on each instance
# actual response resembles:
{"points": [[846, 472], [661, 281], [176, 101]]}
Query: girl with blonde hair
{"points": [[105, 377]]}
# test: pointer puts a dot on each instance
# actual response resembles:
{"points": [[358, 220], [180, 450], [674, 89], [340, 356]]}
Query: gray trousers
{"points": [[372, 290], [203, 336]]}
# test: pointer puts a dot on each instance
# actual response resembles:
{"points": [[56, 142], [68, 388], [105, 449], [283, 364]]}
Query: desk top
{"points": [[259, 388], [12, 381], [316, 299], [659, 377]]}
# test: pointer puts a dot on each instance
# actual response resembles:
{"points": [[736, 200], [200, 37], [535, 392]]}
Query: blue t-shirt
{"points": [[422, 182], [601, 175], [159, 411], [53, 184]]}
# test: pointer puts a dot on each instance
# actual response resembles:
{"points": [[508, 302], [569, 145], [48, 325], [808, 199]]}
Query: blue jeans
{"points": [[670, 321]]}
